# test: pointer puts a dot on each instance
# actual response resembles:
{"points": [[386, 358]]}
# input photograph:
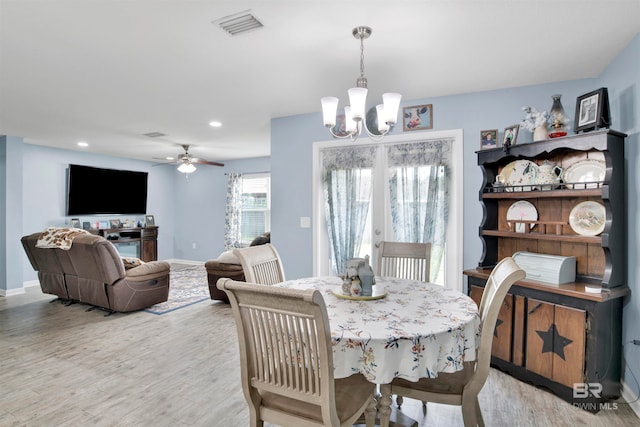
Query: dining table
{"points": [[406, 329]]}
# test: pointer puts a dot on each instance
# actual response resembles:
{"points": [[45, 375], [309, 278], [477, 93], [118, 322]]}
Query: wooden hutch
{"points": [[556, 336]]}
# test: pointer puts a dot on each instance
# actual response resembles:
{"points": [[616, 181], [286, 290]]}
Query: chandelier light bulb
{"points": [[391, 103], [358, 100], [329, 110], [383, 127], [350, 124]]}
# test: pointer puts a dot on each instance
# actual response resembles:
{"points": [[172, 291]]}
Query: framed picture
{"points": [[75, 222], [488, 139], [103, 224], [86, 225], [150, 220], [418, 117], [510, 136], [592, 110], [115, 223]]}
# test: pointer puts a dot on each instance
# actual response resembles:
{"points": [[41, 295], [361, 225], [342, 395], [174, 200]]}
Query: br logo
{"points": [[584, 390]]}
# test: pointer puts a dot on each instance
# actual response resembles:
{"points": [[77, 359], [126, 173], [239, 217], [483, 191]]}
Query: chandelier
{"points": [[355, 113]]}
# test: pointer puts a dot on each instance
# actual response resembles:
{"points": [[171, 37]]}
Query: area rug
{"points": [[187, 285]]}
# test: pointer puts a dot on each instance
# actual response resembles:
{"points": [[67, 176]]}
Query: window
{"points": [[256, 206]]}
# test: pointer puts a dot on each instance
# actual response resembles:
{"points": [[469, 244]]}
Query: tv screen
{"points": [[96, 191]]}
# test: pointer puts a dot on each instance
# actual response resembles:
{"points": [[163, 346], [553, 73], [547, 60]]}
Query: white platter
{"points": [[520, 173], [378, 293], [590, 170], [523, 211], [587, 218]]}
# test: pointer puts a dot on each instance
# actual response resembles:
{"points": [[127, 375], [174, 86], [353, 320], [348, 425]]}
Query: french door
{"points": [[380, 217]]}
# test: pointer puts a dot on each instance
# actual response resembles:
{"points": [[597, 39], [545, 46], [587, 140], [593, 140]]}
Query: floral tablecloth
{"points": [[416, 331]]}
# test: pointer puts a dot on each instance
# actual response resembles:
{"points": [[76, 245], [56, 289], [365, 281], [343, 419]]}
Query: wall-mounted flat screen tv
{"points": [[97, 191]]}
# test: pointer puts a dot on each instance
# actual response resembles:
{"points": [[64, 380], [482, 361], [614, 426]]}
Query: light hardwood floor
{"points": [[63, 366]]}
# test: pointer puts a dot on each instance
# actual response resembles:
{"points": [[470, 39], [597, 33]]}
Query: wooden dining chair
{"points": [[261, 264], [462, 387], [404, 260], [286, 359]]}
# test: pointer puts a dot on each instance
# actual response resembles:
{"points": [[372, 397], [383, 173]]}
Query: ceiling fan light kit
{"points": [[186, 163], [187, 168], [355, 113]]}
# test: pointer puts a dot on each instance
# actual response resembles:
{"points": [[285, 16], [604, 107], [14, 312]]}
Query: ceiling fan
{"points": [[186, 163]]}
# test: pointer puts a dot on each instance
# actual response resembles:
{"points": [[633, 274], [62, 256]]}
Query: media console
{"points": [[140, 242]]}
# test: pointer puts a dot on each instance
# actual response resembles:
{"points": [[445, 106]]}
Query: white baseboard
{"points": [[11, 292], [19, 291], [31, 283], [629, 396]]}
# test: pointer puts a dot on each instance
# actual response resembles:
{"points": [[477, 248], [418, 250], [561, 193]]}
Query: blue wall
{"points": [[187, 211], [622, 79], [11, 212], [200, 205], [44, 193]]}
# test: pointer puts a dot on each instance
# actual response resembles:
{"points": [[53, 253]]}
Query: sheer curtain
{"points": [[419, 196], [347, 179], [233, 212]]}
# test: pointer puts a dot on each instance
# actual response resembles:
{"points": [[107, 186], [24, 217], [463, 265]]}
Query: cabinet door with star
{"points": [[503, 332], [555, 341]]}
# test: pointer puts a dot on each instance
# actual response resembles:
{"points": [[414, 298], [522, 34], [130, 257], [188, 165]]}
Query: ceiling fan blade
{"points": [[162, 164], [205, 162]]}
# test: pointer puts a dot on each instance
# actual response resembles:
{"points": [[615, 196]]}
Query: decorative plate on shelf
{"points": [[523, 211], [518, 175], [589, 170], [378, 293], [587, 218]]}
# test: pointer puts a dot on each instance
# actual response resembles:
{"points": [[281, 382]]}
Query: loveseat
{"points": [[91, 271], [228, 265]]}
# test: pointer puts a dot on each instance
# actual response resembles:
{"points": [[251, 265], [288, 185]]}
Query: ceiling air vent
{"points": [[238, 23]]}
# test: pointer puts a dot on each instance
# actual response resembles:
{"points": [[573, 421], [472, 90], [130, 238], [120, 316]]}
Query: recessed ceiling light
{"points": [[154, 134], [170, 158], [215, 124], [82, 144]]}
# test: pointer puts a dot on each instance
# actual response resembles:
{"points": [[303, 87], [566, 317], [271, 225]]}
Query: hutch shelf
{"points": [[559, 337]]}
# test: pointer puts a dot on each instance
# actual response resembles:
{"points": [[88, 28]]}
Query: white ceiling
{"points": [[106, 72]]}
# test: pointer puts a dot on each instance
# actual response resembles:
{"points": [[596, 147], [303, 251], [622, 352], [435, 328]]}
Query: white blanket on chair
{"points": [[59, 237]]}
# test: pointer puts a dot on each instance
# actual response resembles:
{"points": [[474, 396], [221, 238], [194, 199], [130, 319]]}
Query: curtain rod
{"points": [[248, 173]]}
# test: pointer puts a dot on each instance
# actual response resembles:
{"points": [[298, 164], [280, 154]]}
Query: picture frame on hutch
{"points": [[75, 222], [489, 139], [417, 117], [150, 220], [592, 111], [510, 136]]}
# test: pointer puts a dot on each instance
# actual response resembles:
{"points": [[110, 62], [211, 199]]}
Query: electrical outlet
{"points": [[193, 245]]}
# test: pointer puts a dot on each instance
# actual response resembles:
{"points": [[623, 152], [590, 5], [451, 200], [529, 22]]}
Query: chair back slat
{"points": [[404, 260]]}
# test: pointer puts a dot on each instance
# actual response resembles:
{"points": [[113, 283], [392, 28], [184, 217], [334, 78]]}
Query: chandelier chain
{"points": [[361, 56]]}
